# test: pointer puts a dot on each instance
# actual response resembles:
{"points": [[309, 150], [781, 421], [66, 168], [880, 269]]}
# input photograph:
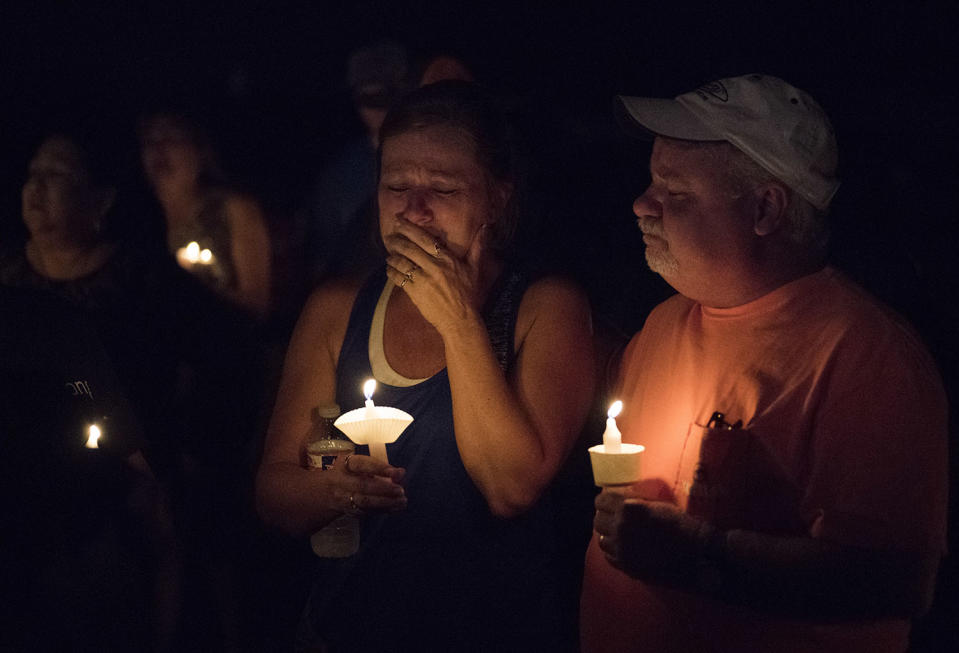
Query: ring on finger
{"points": [[353, 507], [437, 252], [404, 282]]}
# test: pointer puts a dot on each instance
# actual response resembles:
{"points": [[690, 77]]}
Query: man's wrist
{"points": [[711, 571]]}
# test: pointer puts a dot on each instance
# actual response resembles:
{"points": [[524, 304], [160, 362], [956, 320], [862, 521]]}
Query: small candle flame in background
{"points": [[612, 438], [93, 435], [193, 254]]}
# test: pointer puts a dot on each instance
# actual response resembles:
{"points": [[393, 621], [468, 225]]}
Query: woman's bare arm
{"points": [[289, 496], [251, 252], [514, 433]]}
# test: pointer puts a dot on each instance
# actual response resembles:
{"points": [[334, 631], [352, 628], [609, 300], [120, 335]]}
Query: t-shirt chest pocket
{"points": [[728, 477]]}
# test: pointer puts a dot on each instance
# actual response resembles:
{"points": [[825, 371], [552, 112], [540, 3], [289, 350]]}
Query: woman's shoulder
{"points": [[558, 305], [326, 313], [552, 292], [333, 298], [239, 199], [238, 207]]}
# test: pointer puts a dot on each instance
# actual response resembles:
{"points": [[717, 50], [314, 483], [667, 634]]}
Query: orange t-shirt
{"points": [[843, 436]]}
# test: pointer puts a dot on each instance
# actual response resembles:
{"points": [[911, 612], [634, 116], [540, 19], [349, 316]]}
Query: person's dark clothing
{"points": [[170, 340], [70, 569], [338, 209], [444, 574]]}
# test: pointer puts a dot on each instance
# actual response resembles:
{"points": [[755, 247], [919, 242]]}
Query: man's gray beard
{"points": [[661, 262]]}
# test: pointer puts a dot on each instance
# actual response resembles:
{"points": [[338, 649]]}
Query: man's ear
{"points": [[771, 202]]}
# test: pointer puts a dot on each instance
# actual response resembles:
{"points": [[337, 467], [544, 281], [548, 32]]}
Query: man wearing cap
{"points": [[794, 477], [340, 206]]}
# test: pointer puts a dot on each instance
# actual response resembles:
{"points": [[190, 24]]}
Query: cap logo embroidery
{"points": [[716, 89]]}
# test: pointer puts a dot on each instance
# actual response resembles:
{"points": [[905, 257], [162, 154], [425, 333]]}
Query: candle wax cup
{"points": [[384, 427], [620, 467]]}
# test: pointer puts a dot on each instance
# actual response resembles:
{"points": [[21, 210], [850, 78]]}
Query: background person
{"points": [[89, 557], [456, 544], [199, 206], [794, 492], [340, 220], [444, 66], [69, 207]]}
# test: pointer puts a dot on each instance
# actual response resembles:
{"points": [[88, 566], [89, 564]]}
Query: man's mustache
{"points": [[651, 227]]}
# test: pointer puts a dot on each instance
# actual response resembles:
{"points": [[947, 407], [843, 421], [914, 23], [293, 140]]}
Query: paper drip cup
{"points": [[383, 428], [616, 468]]}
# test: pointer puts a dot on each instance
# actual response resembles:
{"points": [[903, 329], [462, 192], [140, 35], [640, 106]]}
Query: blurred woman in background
{"points": [[67, 201], [216, 233]]}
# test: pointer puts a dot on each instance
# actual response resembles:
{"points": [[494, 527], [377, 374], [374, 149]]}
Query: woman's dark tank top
{"points": [[445, 574]]}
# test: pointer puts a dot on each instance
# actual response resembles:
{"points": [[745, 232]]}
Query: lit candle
{"points": [[615, 463], [93, 435], [375, 426], [612, 438], [368, 389], [193, 252]]}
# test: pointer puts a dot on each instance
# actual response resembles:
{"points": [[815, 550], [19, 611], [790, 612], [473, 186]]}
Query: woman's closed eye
{"points": [[442, 191]]}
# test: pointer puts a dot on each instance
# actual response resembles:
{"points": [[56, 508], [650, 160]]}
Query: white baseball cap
{"points": [[777, 125]]}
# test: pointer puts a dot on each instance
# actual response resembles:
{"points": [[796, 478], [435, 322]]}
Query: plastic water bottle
{"points": [[341, 537]]}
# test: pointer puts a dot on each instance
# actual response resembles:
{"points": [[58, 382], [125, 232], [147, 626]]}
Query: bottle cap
{"points": [[328, 411]]}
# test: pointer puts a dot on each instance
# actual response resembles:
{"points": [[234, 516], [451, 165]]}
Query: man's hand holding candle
{"points": [[655, 541]]}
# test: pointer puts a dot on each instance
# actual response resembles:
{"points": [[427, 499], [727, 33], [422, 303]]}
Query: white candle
{"points": [[368, 389], [612, 438], [93, 435], [615, 463]]}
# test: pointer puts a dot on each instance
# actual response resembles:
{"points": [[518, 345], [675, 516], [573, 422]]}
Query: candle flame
{"points": [[206, 256], [192, 253], [93, 434], [369, 387], [615, 409]]}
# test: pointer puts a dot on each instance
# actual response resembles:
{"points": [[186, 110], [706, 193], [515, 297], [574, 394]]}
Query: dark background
{"points": [[269, 77]]}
